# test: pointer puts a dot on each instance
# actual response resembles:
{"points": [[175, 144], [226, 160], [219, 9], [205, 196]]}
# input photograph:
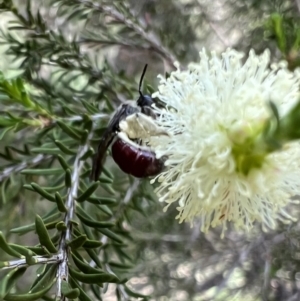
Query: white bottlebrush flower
{"points": [[217, 166]]}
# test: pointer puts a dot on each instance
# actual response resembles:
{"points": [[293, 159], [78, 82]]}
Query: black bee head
{"points": [[145, 101]]}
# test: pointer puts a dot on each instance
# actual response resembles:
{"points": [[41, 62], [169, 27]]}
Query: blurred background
{"points": [[71, 50]]}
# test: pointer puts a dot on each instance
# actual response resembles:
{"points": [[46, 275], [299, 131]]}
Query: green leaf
{"points": [[110, 234], [83, 296], [87, 154], [92, 244], [108, 189], [29, 296], [105, 180], [61, 226], [94, 278], [42, 279], [4, 186], [87, 231], [7, 122], [77, 242], [37, 250], [84, 136], [106, 210], [47, 188], [69, 130], [277, 22], [86, 219], [53, 216], [150, 89], [42, 172], [9, 280], [22, 250], [82, 266], [43, 150], [68, 292], [101, 200], [274, 110], [88, 192], [64, 148], [121, 266], [108, 173], [8, 155], [4, 131], [4, 264], [43, 235], [43, 192], [94, 257], [60, 202], [12, 116], [134, 294], [63, 162], [90, 108], [7, 249], [97, 291], [24, 151], [68, 178]]}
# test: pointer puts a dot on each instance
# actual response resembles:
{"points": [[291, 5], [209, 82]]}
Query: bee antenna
{"points": [[141, 80]]}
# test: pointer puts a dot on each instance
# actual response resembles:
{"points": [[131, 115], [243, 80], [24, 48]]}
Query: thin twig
{"points": [[151, 38], [212, 25], [129, 193], [242, 256], [37, 259], [6, 172], [127, 198], [62, 271], [92, 117], [266, 282], [298, 5]]}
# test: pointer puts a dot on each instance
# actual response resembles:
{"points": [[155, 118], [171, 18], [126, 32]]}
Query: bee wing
{"points": [[106, 140], [99, 157]]}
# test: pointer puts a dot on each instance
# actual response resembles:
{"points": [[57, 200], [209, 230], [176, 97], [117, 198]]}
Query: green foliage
{"points": [[58, 116], [278, 131], [284, 29]]}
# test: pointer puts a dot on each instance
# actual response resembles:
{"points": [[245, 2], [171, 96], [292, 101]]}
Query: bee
{"points": [[132, 123]]}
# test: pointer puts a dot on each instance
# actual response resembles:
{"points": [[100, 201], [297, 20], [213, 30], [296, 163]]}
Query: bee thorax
{"points": [[140, 126]]}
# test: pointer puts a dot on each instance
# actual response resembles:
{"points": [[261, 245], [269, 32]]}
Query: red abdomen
{"points": [[135, 161]]}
